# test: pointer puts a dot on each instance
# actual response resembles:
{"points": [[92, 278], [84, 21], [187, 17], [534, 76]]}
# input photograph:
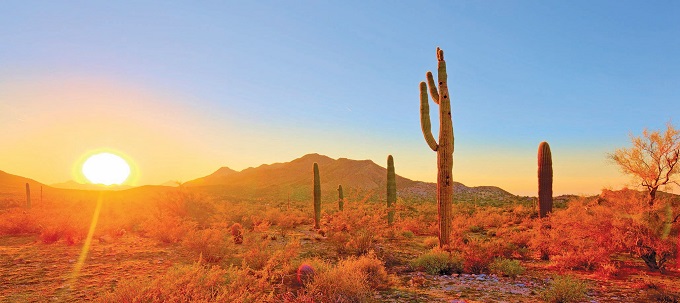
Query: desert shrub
{"points": [[643, 230], [187, 205], [236, 233], [168, 229], [608, 269], [506, 267], [439, 262], [210, 243], [565, 289], [420, 218], [478, 254], [288, 220], [518, 241], [351, 280], [354, 231], [50, 235], [475, 228], [369, 264], [281, 266], [407, 234], [580, 236], [18, 221], [431, 242], [258, 253], [62, 227], [490, 217], [662, 296]]}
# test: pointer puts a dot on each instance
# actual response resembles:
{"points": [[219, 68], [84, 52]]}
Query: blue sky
{"points": [[268, 81]]}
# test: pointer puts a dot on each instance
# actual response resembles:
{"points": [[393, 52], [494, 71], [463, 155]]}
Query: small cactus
{"points": [[341, 199], [305, 273], [545, 180], [237, 233], [317, 197], [28, 196], [391, 190]]}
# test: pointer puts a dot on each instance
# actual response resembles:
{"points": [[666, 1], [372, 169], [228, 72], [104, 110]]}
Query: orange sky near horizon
{"points": [[54, 123]]}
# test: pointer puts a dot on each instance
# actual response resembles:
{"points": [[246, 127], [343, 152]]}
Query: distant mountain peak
{"points": [[223, 171], [314, 157]]}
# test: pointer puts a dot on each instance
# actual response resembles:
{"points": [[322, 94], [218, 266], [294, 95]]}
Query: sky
{"points": [[183, 88]]}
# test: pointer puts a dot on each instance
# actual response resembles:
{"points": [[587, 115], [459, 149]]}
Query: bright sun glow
{"points": [[106, 168]]}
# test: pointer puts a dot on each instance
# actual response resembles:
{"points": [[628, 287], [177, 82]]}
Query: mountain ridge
{"points": [[295, 178]]}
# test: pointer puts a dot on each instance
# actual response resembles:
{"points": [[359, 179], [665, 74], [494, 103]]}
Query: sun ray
{"points": [[88, 242]]}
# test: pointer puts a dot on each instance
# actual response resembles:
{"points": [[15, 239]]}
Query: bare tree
{"points": [[652, 160]]}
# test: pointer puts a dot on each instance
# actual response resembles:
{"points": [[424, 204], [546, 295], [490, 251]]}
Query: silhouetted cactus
{"points": [[391, 190], [317, 196], [545, 180], [445, 147], [341, 199], [28, 196]]}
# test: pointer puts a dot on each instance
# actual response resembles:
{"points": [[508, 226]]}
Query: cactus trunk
{"points": [[444, 149], [317, 197], [28, 196], [341, 199], [391, 190], [545, 180]]}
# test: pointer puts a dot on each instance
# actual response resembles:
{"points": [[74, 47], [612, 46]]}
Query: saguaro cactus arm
{"points": [[425, 117], [433, 87]]}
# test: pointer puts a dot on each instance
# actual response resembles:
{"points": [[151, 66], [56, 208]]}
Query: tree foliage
{"points": [[652, 160]]}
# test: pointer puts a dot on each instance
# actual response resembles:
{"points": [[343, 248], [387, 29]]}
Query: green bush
{"points": [[565, 289], [506, 267], [407, 234], [437, 262], [475, 229]]}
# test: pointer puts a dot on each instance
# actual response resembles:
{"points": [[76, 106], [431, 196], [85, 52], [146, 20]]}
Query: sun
{"points": [[106, 168]]}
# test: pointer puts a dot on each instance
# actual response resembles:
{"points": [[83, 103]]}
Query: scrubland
{"points": [[184, 245]]}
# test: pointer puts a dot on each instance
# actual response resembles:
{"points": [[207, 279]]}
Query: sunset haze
{"points": [[183, 89]]}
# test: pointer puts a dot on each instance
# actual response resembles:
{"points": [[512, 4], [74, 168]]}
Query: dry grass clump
{"points": [[355, 231], [565, 289], [184, 283], [213, 244], [167, 228], [18, 221], [351, 280]]}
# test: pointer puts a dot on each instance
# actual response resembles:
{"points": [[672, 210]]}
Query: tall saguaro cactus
{"points": [[28, 196], [444, 149], [391, 190], [317, 196], [341, 199], [545, 180]]}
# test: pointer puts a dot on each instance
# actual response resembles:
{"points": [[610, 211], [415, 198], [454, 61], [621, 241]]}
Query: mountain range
{"points": [[359, 178]]}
